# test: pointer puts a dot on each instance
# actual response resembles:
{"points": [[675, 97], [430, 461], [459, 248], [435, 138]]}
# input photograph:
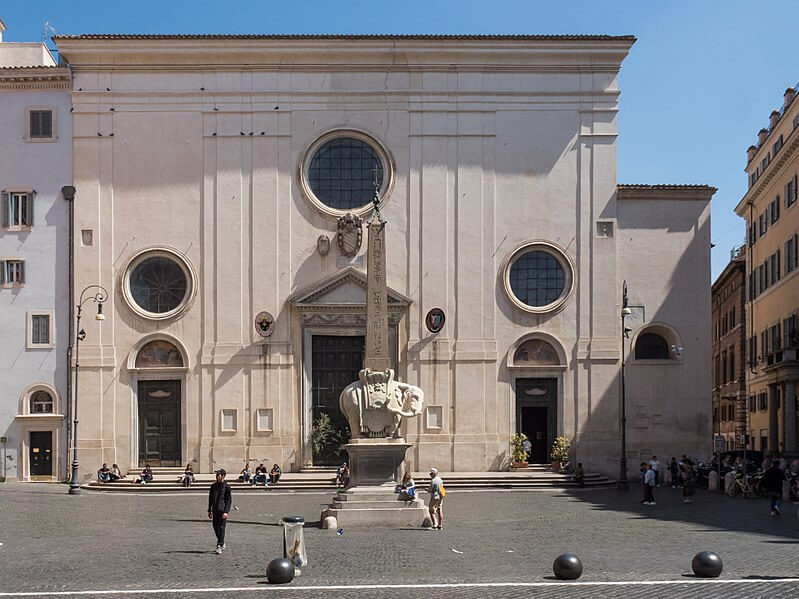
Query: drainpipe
{"points": [[68, 191]]}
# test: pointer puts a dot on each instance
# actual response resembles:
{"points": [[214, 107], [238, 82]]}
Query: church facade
{"points": [[226, 182]]}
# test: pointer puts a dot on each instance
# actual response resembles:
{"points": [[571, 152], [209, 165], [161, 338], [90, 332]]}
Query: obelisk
{"points": [[376, 356]]}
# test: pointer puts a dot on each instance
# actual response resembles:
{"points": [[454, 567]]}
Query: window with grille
{"points": [[651, 346], [41, 403], [40, 329], [343, 173], [12, 271], [17, 209], [41, 124]]}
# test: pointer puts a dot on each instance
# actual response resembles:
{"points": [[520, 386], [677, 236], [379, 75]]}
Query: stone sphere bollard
{"points": [[713, 481], [280, 571], [567, 567], [707, 564]]}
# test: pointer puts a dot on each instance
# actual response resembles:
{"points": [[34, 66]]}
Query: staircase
{"points": [[318, 479]]}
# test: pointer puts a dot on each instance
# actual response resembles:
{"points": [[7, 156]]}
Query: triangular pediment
{"points": [[345, 288]]}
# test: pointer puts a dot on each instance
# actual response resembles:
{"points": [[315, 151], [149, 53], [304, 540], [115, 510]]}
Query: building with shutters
{"points": [[225, 180], [772, 219], [35, 163]]}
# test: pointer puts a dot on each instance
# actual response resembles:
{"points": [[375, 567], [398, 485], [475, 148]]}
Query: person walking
{"points": [[436, 490], [656, 467], [219, 502], [688, 480], [649, 485], [674, 470], [772, 483]]}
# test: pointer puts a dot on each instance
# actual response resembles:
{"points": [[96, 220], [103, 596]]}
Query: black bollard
{"points": [[567, 567], [707, 564], [280, 571]]}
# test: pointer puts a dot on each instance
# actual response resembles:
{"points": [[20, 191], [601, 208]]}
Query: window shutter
{"points": [[2, 272], [787, 199], [5, 209], [795, 190], [21, 271], [28, 210], [34, 123]]}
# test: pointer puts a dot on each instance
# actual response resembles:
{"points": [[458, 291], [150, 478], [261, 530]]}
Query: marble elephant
{"points": [[405, 401]]}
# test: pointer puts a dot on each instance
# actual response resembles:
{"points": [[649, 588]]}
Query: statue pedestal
{"points": [[376, 468]]}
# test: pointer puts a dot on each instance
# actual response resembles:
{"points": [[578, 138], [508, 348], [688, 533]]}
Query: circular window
{"points": [[538, 277], [158, 284], [341, 171]]}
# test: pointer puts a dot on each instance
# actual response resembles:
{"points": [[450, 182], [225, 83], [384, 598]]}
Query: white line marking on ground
{"points": [[367, 587]]}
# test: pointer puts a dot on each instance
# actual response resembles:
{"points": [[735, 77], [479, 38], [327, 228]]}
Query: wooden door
{"points": [[159, 423], [41, 453], [336, 361]]}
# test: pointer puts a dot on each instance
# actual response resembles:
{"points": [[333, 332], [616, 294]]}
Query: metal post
{"points": [[622, 484], [99, 298], [74, 483]]}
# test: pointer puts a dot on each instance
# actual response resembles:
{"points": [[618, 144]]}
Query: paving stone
{"points": [[55, 542]]}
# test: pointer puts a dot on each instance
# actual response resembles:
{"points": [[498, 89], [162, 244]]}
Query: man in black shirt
{"points": [[219, 501], [772, 483]]}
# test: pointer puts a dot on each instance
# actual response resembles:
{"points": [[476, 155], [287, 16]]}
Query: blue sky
{"points": [[697, 86]]}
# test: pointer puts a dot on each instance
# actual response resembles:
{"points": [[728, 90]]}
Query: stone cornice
{"points": [[702, 193], [773, 169], [35, 78], [351, 53]]}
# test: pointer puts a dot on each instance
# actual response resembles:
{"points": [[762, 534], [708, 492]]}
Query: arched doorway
{"points": [[158, 402], [537, 365]]}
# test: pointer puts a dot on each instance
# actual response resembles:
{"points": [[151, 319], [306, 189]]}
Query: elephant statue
{"points": [[375, 404]]}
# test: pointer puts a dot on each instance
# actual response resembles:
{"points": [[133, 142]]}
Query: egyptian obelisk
{"points": [[376, 356]]}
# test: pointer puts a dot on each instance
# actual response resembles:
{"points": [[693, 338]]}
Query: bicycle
{"points": [[742, 483]]}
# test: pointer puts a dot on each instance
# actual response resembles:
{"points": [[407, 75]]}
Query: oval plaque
{"points": [[264, 324], [434, 321]]}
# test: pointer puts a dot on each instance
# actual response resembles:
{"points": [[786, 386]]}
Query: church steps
{"points": [[325, 481]]}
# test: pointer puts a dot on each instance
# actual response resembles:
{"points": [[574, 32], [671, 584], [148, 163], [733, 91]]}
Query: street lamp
{"points": [[99, 297], [622, 484]]}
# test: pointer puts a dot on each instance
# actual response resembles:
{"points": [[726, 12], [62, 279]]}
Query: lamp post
{"points": [[622, 484], [99, 297]]}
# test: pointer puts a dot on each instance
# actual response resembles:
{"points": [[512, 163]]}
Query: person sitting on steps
{"points": [[260, 475], [274, 474], [116, 473], [104, 474], [245, 474], [146, 475], [188, 476]]}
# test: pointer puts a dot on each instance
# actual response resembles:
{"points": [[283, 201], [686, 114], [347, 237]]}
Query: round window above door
{"points": [[340, 171], [538, 277], [158, 284]]}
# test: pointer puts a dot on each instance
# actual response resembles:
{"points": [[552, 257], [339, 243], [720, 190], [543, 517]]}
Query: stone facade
{"points": [[34, 289], [492, 151], [770, 210], [730, 405]]}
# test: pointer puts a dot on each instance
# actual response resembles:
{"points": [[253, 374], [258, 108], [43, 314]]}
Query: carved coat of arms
{"points": [[350, 234]]}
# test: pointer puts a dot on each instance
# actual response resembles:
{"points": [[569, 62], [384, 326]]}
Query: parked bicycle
{"points": [[742, 483]]}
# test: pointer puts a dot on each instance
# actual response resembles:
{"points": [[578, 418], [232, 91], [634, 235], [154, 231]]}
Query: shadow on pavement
{"points": [[713, 511]]}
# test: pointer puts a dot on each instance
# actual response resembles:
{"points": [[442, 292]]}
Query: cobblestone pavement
{"points": [[54, 542]]}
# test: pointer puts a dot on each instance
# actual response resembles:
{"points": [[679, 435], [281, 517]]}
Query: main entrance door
{"points": [[536, 415], [41, 454], [336, 361], [159, 423]]}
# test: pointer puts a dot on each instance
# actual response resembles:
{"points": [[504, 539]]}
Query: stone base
{"points": [[376, 462], [376, 507], [376, 467]]}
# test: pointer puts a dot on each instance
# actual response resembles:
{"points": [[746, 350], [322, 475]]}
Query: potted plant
{"points": [[518, 454], [560, 452]]}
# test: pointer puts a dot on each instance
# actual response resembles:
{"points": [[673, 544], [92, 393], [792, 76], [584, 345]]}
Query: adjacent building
{"points": [[730, 406], [221, 187], [35, 163], [769, 208]]}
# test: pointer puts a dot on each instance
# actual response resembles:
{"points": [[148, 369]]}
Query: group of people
{"points": [[261, 475], [682, 474], [407, 492], [109, 475]]}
